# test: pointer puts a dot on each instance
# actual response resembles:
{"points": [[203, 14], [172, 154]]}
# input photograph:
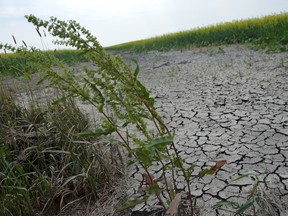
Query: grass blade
{"points": [[245, 206]]}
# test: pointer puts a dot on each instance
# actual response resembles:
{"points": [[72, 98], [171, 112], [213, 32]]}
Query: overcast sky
{"points": [[118, 21]]}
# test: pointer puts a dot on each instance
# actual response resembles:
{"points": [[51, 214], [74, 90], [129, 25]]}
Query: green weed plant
{"points": [[123, 101]]}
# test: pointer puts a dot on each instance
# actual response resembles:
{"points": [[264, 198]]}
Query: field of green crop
{"points": [[269, 32], [266, 32]]}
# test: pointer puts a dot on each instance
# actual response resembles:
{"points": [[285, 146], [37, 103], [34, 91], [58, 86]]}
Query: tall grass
{"points": [[44, 166], [269, 31]]}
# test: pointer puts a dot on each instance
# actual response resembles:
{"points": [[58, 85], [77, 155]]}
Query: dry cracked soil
{"points": [[224, 103]]}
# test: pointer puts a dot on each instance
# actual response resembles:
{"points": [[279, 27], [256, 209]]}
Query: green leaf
{"points": [[154, 188], [144, 155], [96, 133], [242, 176], [151, 101], [143, 89], [160, 143], [191, 168], [132, 203], [212, 169], [15, 188], [188, 173], [256, 204], [224, 202], [125, 124], [144, 93], [136, 72], [205, 172], [97, 94], [177, 163], [143, 114], [44, 182], [245, 206]]}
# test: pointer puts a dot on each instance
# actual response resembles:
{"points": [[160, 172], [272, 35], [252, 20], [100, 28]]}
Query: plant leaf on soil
{"points": [[212, 169]]}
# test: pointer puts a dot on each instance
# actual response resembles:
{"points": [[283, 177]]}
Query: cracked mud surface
{"points": [[229, 104]]}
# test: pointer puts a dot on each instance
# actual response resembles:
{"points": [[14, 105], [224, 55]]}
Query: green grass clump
{"points": [[44, 166], [269, 31]]}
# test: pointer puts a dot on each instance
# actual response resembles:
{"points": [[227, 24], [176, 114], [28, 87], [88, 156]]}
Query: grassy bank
{"points": [[12, 63], [266, 32]]}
